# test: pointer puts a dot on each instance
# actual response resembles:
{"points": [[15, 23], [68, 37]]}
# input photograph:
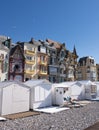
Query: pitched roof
{"points": [[3, 38], [74, 51], [13, 50], [3, 47], [56, 44]]}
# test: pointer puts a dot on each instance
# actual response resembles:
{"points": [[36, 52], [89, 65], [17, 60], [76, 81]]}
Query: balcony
{"points": [[29, 52], [29, 72], [43, 73], [31, 62], [1, 59], [43, 63], [70, 76], [63, 75]]}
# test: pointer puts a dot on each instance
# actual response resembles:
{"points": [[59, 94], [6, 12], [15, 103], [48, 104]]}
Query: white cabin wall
{"points": [[32, 97], [97, 89], [59, 96], [48, 95], [20, 99], [0, 101], [53, 94], [41, 96], [15, 99], [7, 100]]}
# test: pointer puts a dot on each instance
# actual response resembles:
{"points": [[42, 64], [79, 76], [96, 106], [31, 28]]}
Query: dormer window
{"points": [[38, 48], [16, 68], [62, 54], [88, 69]]}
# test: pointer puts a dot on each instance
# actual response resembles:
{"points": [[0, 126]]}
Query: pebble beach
{"points": [[72, 119]]}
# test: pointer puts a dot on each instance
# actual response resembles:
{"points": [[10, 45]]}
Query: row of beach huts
{"points": [[18, 97]]}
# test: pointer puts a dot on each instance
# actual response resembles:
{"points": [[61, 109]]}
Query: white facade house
{"points": [[40, 93], [3, 62], [14, 98]]}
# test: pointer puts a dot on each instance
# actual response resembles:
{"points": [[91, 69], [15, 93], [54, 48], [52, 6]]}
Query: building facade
{"points": [[42, 61], [97, 70], [66, 62], [30, 53], [87, 69], [5, 44], [16, 64], [52, 62], [62, 62], [71, 65]]}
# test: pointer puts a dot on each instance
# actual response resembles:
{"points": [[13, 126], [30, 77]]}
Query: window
{"points": [[53, 52], [33, 58], [61, 71], [53, 70], [6, 56], [38, 48], [53, 60], [28, 67], [5, 66], [2, 56], [62, 54], [47, 51], [93, 89], [28, 57], [43, 49], [43, 69], [42, 58], [33, 49], [16, 68]]}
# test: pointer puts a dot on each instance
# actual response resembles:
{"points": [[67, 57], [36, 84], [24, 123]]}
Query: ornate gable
{"points": [[16, 64]]}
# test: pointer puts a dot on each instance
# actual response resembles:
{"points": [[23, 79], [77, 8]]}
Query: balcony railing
{"points": [[1, 59], [70, 76], [43, 63], [29, 72], [43, 73], [63, 75], [30, 52], [30, 62]]}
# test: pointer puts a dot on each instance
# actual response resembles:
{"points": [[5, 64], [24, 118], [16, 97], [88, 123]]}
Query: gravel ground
{"points": [[72, 119]]}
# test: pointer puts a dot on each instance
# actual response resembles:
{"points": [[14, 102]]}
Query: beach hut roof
{"points": [[7, 83], [86, 82], [32, 83], [64, 84]]}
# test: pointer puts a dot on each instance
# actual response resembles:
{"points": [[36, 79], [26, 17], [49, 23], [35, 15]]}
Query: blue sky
{"points": [[74, 22]]}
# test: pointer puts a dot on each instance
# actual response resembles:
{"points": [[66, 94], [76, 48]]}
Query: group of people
{"points": [[69, 99]]}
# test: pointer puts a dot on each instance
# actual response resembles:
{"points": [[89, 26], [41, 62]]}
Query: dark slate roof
{"points": [[14, 48], [74, 51], [85, 58]]}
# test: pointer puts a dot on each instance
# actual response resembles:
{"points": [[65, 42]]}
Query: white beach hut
{"points": [[90, 90], [14, 98], [63, 91], [78, 91], [60, 92], [40, 93], [97, 83]]}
